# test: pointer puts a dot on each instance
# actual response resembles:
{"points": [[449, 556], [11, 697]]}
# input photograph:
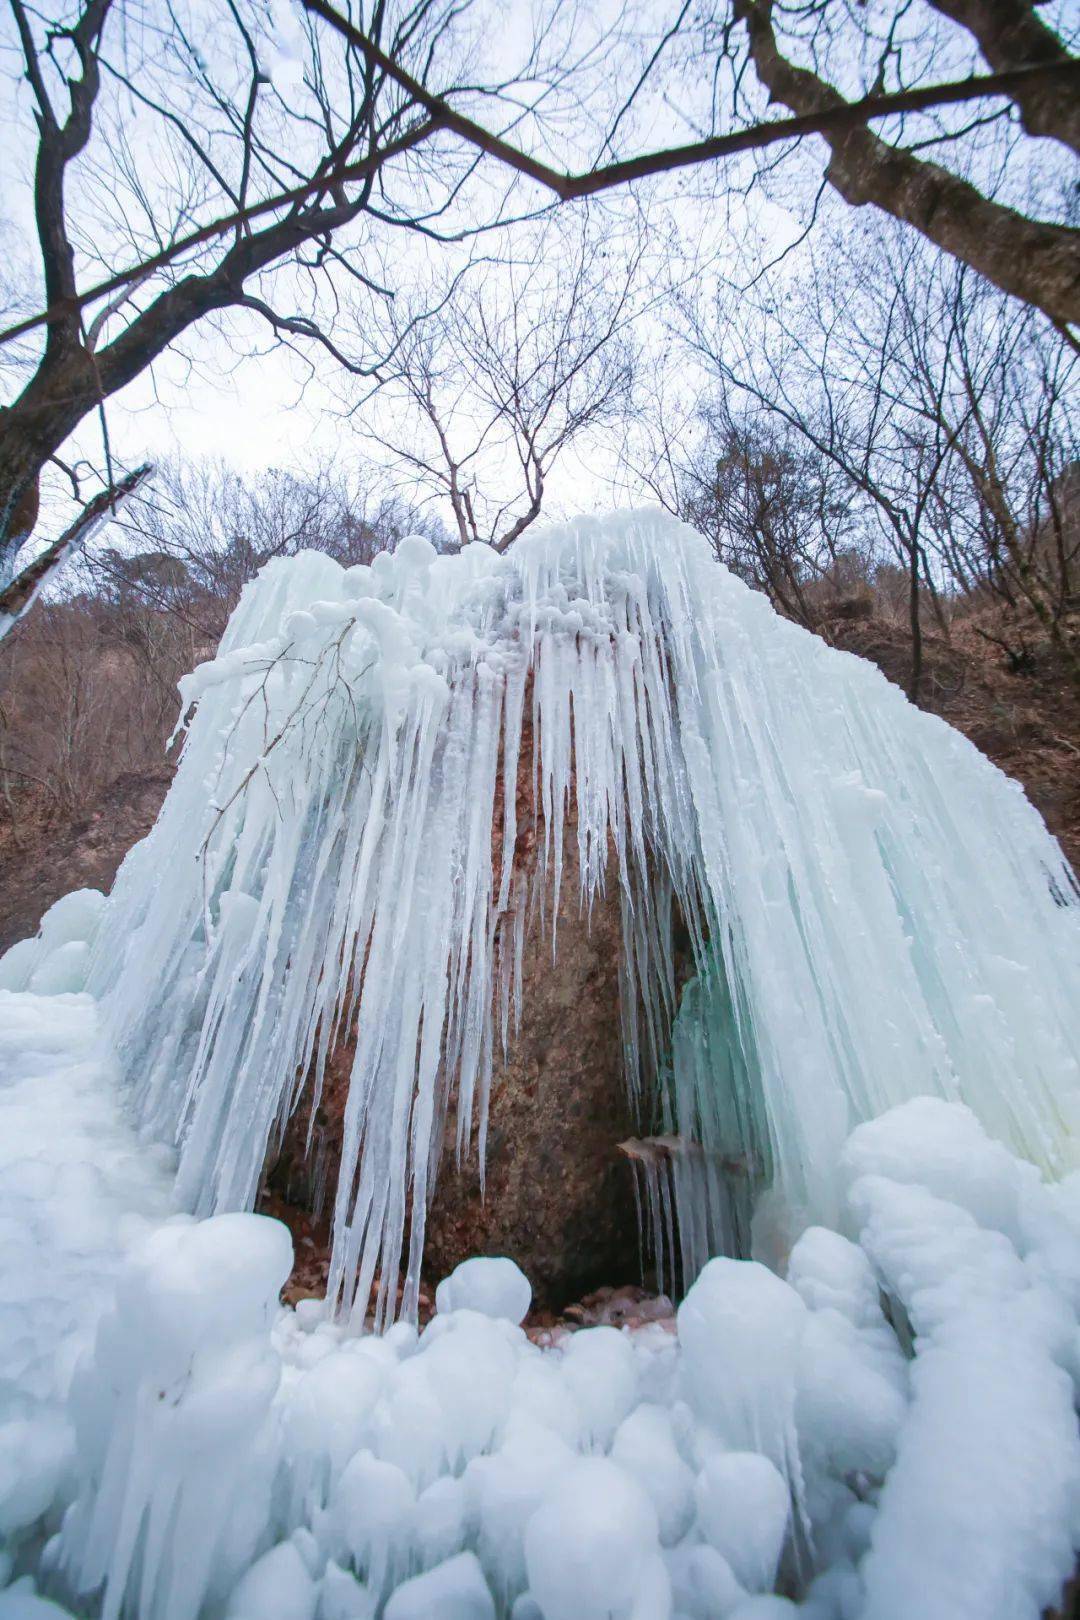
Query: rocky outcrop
{"points": [[555, 1196]]}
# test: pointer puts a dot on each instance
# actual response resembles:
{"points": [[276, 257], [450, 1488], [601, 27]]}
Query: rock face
{"points": [[557, 1198]]}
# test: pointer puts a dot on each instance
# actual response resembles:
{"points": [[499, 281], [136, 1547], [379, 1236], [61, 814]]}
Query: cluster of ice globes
{"points": [[792, 1447], [53, 962]]}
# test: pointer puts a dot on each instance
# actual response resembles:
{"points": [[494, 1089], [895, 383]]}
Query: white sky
{"points": [[265, 410], [258, 413]]}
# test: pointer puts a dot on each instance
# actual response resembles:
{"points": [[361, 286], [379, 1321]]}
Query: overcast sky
{"points": [[247, 400], [230, 392]]}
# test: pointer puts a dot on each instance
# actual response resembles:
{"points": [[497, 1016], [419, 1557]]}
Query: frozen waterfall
{"points": [[875, 911]]}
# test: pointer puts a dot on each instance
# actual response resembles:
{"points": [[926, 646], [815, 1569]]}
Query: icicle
{"points": [[873, 910], [698, 1204]]}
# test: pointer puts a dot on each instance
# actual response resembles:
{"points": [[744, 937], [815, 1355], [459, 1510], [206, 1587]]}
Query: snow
{"points": [[440, 1521], [179, 1445], [371, 1513], [645, 1447], [170, 1409], [598, 1366], [740, 1330], [876, 1057]]}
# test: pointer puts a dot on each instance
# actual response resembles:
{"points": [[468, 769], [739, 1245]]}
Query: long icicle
{"points": [[874, 910]]}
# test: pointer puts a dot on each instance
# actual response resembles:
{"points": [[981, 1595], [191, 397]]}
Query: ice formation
{"points": [[175, 1445], [56, 958], [493, 1287], [875, 911], [878, 1424]]}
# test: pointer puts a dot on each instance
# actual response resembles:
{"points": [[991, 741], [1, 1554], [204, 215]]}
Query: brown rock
{"points": [[557, 1197]]}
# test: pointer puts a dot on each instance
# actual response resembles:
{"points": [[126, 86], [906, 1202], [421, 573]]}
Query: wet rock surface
{"points": [[556, 1196]]}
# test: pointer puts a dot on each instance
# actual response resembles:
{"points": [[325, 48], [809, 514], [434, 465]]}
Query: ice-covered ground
{"points": [[174, 1443]]}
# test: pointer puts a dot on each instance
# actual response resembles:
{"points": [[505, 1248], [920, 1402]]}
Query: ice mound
{"points": [[889, 1431], [170, 1410], [56, 960], [454, 1590], [874, 911], [743, 1507], [494, 1287], [75, 1190], [592, 1543]]}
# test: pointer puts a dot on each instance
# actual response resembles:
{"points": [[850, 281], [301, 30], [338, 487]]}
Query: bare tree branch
{"points": [[343, 174], [18, 597], [830, 118], [1033, 260], [1011, 33]]}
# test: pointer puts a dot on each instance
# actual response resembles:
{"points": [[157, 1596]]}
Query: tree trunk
{"points": [[33, 429]]}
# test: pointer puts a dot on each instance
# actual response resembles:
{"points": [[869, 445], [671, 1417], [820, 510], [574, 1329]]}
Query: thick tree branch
{"points": [[1011, 34], [324, 182], [830, 116], [58, 144], [1031, 259], [833, 117], [194, 296]]}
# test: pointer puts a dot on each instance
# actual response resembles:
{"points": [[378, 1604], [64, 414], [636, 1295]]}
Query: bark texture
{"points": [[1011, 34], [1034, 260]]}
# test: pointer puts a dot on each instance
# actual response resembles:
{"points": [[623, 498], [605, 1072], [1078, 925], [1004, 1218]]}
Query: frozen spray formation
{"points": [[883, 1425], [875, 911], [181, 1447]]}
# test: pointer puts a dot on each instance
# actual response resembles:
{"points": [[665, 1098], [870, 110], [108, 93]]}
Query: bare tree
{"points": [[1035, 78], [304, 172], [949, 423], [147, 120], [776, 510], [87, 695], [1009, 520], [512, 370], [189, 545], [88, 683], [1036, 260], [822, 372], [19, 595]]}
